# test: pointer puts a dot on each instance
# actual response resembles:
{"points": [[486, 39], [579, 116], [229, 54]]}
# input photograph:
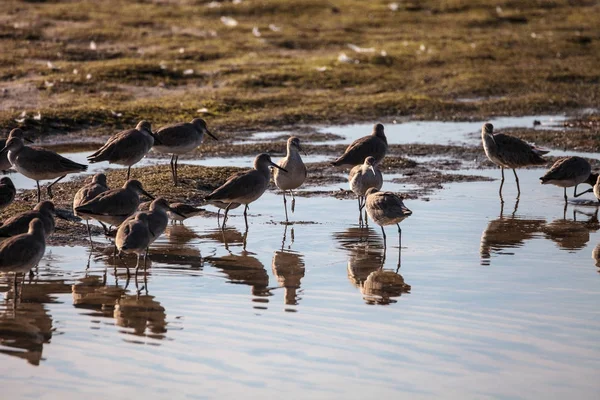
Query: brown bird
{"points": [[18, 224], [7, 192], [87, 193], [509, 152], [386, 208], [568, 172], [374, 145], [183, 211], [4, 163]]}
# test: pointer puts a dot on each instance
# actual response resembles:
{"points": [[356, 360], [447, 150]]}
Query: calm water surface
{"points": [[489, 302]]}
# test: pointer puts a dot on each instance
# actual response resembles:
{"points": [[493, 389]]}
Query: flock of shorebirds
{"points": [[137, 230]]}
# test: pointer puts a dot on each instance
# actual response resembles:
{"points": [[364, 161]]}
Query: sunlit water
{"points": [[503, 303]]}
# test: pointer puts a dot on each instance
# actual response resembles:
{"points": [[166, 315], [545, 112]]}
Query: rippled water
{"points": [[488, 301]]}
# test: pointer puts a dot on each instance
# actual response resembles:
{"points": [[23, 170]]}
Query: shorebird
{"points": [[22, 252], [245, 187], [158, 218], [509, 152], [182, 211], [19, 224], [126, 147], [363, 177], [7, 192], [114, 206], [386, 208], [134, 236], [39, 164], [4, 163], [179, 139], [86, 193], [568, 172], [296, 172], [373, 145]]}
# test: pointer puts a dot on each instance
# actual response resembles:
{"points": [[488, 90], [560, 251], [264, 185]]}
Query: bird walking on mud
{"points": [[569, 172], [362, 178], [386, 208], [296, 172], [179, 139], [114, 206], [126, 147], [245, 187], [509, 152], [86, 193], [374, 145], [39, 164]]}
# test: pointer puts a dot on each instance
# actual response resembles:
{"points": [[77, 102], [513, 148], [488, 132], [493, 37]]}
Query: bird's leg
{"points": [[566, 198], [366, 219], [293, 201], [285, 207], [575, 194], [218, 217], [15, 288], [137, 267], [399, 246], [87, 222], [128, 172], [175, 169], [384, 240], [171, 165], [225, 217], [246, 216], [39, 191], [49, 189], [518, 187]]}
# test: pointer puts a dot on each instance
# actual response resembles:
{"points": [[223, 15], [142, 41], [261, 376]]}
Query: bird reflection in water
{"points": [[242, 268], [596, 256], [572, 235], [507, 232], [93, 294], [288, 268], [366, 262]]}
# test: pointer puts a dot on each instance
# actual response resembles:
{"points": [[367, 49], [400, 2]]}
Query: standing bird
{"points": [[39, 164], [245, 187], [362, 178], [134, 236], [386, 208], [509, 152], [296, 172], [568, 172], [182, 211], [87, 193], [4, 163], [22, 252], [7, 192], [126, 147], [44, 211], [158, 217], [179, 139], [114, 206], [375, 145]]}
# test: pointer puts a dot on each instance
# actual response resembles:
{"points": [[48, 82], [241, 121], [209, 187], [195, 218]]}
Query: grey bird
{"points": [[127, 147], [114, 206], [158, 217], [509, 152], [39, 164], [86, 193], [7, 192], [4, 163], [179, 139], [569, 172], [296, 172], [182, 211], [374, 145], [19, 224], [22, 252], [362, 178], [386, 208], [134, 236], [245, 187]]}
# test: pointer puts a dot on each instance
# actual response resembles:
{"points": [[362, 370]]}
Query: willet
{"points": [[4, 163], [19, 224], [386, 208], [182, 211], [7, 192], [114, 206], [245, 187], [134, 236], [87, 193], [509, 152], [296, 172], [126, 147], [179, 139], [363, 177], [568, 172], [158, 217], [373, 145], [22, 252], [39, 164]]}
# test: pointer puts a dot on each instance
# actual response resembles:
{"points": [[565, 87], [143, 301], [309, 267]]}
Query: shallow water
{"points": [[503, 303]]}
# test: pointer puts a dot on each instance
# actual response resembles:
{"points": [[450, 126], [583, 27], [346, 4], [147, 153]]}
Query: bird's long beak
{"points": [[147, 194], [300, 148], [277, 166], [28, 140], [176, 212], [3, 151], [210, 134], [372, 168], [405, 210]]}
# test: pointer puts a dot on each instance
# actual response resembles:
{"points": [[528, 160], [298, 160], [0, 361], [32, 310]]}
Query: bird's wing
{"points": [[15, 250], [176, 135], [19, 223], [113, 202], [129, 142], [355, 153], [514, 150], [51, 161], [239, 185]]}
